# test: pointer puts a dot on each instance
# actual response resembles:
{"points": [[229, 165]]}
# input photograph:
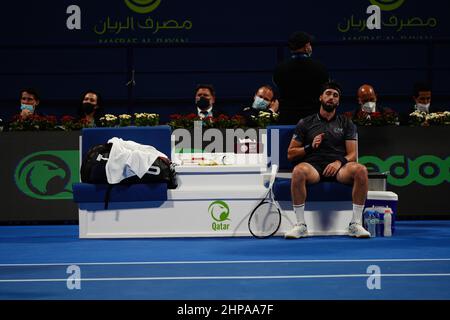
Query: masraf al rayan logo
{"points": [[387, 5], [219, 211], [48, 175], [142, 6]]}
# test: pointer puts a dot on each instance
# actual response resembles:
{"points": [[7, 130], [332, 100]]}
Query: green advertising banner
{"points": [[37, 172], [417, 163]]}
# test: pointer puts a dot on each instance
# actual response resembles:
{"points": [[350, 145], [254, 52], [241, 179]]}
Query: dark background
{"points": [[233, 45]]}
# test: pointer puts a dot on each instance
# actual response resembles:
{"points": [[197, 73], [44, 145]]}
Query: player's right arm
{"points": [[297, 150]]}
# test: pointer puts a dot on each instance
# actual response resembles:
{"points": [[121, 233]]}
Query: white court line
{"points": [[217, 262], [233, 277]]}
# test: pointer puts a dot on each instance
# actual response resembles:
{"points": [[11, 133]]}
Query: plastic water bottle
{"points": [[372, 224], [387, 223]]}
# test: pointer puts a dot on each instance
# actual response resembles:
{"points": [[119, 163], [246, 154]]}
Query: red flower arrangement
{"points": [[33, 123], [70, 123], [362, 118]]}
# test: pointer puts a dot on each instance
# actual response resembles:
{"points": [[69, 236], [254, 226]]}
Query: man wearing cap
{"points": [[299, 80], [323, 148]]}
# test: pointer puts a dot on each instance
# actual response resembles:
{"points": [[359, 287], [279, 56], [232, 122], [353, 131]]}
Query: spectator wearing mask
{"points": [[422, 98], [91, 108], [205, 98], [29, 100], [367, 99], [264, 100]]}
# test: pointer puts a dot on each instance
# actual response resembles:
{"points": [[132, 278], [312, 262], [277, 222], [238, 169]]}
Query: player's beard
{"points": [[329, 107]]}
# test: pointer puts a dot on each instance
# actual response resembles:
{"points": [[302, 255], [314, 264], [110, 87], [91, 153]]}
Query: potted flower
{"points": [[363, 118], [418, 118], [69, 123], [109, 120], [390, 117], [124, 120], [438, 118], [264, 118], [146, 119], [33, 123], [180, 121]]}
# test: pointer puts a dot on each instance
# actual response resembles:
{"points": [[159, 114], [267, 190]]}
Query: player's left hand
{"points": [[332, 169]]}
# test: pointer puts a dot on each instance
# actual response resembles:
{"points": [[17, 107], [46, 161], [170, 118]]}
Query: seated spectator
{"points": [[264, 100], [205, 98], [370, 112], [29, 100], [91, 108], [422, 98], [367, 100]]}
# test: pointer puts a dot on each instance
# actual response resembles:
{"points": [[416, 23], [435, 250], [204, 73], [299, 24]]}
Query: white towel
{"points": [[128, 158]]}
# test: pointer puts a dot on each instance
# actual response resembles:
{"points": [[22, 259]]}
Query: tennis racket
{"points": [[265, 218]]}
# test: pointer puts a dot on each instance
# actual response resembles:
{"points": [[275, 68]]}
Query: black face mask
{"points": [[203, 103], [88, 108]]}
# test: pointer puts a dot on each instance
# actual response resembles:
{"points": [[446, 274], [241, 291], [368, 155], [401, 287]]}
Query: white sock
{"points": [[357, 213], [300, 213]]}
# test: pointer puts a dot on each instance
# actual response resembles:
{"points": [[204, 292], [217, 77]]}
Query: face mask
{"points": [[423, 107], [27, 107], [88, 108], [260, 104], [203, 103], [369, 106]]}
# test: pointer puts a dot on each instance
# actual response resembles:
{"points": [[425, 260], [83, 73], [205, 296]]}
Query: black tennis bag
{"points": [[93, 170]]}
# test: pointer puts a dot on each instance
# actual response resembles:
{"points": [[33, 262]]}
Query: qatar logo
{"points": [[219, 211], [387, 5], [142, 6], [48, 175]]}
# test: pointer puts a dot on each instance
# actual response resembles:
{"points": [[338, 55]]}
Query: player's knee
{"points": [[298, 174], [361, 173]]}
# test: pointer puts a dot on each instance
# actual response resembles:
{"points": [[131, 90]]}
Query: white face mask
{"points": [[422, 107], [369, 106]]}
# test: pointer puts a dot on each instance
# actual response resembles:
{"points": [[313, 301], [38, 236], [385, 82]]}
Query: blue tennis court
{"points": [[51, 262]]}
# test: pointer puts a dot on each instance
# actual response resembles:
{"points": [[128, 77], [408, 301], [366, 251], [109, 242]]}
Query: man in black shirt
{"points": [[299, 80], [324, 148]]}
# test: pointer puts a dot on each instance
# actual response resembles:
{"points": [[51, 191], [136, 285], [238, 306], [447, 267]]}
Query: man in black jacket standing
{"points": [[299, 80]]}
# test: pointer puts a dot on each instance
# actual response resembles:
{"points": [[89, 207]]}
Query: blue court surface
{"points": [[47, 262]]}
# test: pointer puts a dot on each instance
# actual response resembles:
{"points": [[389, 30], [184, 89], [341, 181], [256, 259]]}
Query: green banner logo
{"points": [[220, 212], [388, 5], [48, 175], [426, 170], [142, 6]]}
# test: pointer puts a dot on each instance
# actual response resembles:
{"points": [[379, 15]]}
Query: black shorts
{"points": [[320, 166]]}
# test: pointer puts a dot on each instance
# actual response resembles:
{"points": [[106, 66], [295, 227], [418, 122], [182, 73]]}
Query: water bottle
{"points": [[372, 224], [387, 223]]}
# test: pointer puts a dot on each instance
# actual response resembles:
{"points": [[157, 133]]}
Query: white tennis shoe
{"points": [[298, 231], [356, 230]]}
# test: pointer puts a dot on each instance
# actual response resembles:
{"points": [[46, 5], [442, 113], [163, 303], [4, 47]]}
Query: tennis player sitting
{"points": [[323, 148]]}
